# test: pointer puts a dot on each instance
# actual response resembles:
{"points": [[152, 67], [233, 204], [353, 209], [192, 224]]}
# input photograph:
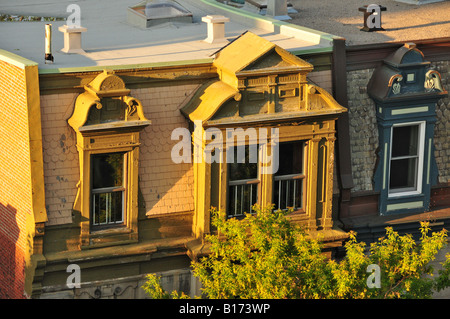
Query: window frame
{"points": [[123, 189], [114, 234], [259, 180], [317, 209], [254, 181], [420, 160], [295, 176]]}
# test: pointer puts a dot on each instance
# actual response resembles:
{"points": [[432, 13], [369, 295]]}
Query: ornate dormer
{"points": [[405, 75], [262, 88], [405, 90], [106, 105], [258, 81], [107, 122]]}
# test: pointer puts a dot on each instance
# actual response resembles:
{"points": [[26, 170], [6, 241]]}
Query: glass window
{"points": [[406, 159], [108, 190], [243, 181], [288, 185]]}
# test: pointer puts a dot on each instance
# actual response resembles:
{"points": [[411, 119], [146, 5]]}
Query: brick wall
{"points": [[15, 180]]}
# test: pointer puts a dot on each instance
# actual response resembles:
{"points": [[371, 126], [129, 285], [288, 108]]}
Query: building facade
{"points": [[108, 172], [371, 124], [121, 201]]}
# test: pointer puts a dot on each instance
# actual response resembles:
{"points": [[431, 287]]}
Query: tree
{"points": [[265, 255]]}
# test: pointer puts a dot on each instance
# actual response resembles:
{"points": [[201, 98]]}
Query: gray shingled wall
{"points": [[363, 129], [364, 133], [442, 129]]}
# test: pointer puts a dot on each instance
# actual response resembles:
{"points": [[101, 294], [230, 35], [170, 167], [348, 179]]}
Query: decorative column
{"points": [[311, 197], [327, 220]]}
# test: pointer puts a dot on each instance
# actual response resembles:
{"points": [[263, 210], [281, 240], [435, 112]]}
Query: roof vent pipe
{"points": [[48, 44], [216, 28]]}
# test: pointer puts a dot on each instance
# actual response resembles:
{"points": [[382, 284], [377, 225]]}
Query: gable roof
{"points": [[244, 54], [245, 67]]}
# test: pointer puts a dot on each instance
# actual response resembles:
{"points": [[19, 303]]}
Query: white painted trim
{"points": [[404, 205], [410, 110], [420, 152]]}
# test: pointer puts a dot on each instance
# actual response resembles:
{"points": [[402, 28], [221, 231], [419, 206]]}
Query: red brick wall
{"points": [[15, 180]]}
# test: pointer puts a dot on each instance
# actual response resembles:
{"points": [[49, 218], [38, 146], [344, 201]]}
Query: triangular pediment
{"points": [[258, 81], [253, 55], [275, 60], [271, 60]]}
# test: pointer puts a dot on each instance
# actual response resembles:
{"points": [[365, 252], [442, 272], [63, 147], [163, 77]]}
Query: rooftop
{"points": [[111, 40], [401, 21]]}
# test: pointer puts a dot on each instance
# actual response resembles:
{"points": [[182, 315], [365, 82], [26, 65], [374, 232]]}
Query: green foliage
{"points": [[154, 289], [265, 255]]}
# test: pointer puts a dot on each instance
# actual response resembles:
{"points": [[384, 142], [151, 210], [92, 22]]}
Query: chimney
{"points": [[277, 9], [48, 44], [72, 39], [216, 28]]}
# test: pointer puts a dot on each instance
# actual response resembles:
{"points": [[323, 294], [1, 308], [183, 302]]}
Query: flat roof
{"points": [[401, 21], [111, 41]]}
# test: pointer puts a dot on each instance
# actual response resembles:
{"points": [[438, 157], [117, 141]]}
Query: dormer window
{"points": [[406, 165], [405, 91], [264, 95], [107, 122]]}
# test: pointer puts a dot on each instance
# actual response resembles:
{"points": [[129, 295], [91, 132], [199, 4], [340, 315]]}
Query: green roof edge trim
{"points": [[124, 66], [15, 59], [269, 22]]}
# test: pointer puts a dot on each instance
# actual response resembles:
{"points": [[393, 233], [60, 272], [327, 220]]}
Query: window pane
{"points": [[288, 187], [107, 170], [403, 174], [288, 193], [405, 140], [246, 170], [242, 195], [108, 208], [241, 198], [290, 158]]}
